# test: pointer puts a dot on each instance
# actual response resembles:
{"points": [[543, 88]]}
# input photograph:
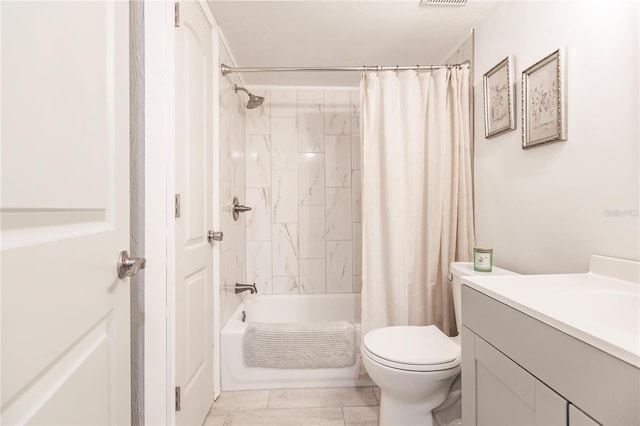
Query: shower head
{"points": [[254, 101]]}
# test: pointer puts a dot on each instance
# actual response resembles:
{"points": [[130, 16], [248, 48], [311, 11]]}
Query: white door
{"points": [[194, 254], [65, 213]]}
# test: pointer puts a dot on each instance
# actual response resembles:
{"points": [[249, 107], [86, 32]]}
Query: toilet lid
{"points": [[412, 346]]}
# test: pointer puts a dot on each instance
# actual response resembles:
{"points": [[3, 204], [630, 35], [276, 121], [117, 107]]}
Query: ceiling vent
{"points": [[443, 2]]}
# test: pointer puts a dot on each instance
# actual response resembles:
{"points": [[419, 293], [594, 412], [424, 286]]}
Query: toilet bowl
{"points": [[414, 366]]}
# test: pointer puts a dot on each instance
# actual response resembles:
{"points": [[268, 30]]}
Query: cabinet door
{"points": [[578, 418], [497, 391]]}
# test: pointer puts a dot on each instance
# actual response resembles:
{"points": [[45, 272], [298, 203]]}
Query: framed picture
{"points": [[544, 110], [499, 114]]}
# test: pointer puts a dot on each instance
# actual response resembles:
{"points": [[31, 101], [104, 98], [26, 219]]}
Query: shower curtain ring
{"points": [[417, 70], [379, 69]]}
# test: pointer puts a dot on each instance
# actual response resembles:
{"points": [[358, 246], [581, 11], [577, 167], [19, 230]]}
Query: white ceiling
{"points": [[341, 33]]}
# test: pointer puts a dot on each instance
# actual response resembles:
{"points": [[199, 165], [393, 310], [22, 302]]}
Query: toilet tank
{"points": [[464, 269]]}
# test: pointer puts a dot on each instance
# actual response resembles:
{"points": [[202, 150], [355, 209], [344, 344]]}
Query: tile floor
{"points": [[321, 406]]}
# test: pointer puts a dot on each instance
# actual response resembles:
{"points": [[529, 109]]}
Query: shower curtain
{"points": [[417, 211]]}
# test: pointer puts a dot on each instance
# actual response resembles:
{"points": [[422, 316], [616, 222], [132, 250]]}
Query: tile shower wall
{"points": [[232, 183], [303, 183]]}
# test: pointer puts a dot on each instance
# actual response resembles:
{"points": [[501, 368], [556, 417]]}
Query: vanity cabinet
{"points": [[578, 418], [517, 370], [505, 393]]}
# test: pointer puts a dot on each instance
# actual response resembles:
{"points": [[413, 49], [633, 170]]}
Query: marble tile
{"points": [[286, 285], [284, 103], [337, 119], [228, 275], [284, 143], [258, 220], [215, 420], [226, 162], [232, 270], [228, 101], [237, 234], [355, 103], [316, 95], [356, 196], [329, 416], [285, 249], [338, 209], [237, 160], [231, 129], [356, 152], [312, 276], [258, 161], [237, 118], [228, 304], [361, 416], [257, 121], [311, 179], [355, 125], [339, 267], [357, 283], [357, 249], [312, 232], [285, 196], [310, 126], [226, 218], [337, 161], [241, 400], [376, 392], [322, 397], [231, 132], [259, 266]]}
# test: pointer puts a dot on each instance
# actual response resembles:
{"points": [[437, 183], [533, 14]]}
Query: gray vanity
{"points": [[553, 349]]}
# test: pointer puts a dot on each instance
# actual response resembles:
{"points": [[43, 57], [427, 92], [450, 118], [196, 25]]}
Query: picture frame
{"points": [[499, 113], [544, 109]]}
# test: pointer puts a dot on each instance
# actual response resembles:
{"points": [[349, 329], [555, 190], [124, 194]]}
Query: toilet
{"points": [[414, 366]]}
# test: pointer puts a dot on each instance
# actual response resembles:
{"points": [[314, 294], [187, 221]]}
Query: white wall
{"points": [[303, 183], [544, 210]]}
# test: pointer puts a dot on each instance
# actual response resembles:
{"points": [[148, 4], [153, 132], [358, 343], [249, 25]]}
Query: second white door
{"points": [[194, 178]]}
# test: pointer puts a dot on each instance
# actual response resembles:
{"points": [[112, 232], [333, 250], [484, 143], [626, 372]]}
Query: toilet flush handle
{"points": [[450, 276]]}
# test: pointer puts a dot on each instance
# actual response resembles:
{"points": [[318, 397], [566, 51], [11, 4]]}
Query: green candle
{"points": [[482, 259]]}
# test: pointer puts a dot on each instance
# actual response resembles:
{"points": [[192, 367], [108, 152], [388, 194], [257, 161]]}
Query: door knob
{"points": [[129, 266], [214, 236]]}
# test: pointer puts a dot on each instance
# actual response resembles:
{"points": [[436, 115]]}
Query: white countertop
{"points": [[597, 309]]}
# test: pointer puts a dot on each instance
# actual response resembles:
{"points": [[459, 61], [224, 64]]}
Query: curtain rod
{"points": [[225, 69]]}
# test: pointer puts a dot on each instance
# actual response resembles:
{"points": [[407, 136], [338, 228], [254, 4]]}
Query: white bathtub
{"points": [[287, 308]]}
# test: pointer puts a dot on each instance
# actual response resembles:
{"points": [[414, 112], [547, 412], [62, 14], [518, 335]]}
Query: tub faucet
{"points": [[246, 287]]}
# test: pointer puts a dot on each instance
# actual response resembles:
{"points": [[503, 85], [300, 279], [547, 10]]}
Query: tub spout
{"points": [[246, 287]]}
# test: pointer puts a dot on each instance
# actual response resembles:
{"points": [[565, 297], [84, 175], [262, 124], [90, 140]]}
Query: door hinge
{"points": [[177, 205], [177, 15], [177, 398]]}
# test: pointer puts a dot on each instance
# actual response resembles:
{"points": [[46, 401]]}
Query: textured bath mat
{"points": [[300, 345]]}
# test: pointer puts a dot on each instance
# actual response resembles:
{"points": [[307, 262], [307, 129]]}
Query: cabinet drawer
{"points": [[505, 393], [578, 418]]}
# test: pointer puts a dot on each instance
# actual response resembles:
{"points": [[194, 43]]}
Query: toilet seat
{"points": [[411, 348]]}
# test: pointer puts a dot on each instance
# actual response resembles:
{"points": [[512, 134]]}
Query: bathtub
{"points": [[287, 308]]}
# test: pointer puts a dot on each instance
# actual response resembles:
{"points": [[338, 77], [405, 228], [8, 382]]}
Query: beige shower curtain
{"points": [[417, 211]]}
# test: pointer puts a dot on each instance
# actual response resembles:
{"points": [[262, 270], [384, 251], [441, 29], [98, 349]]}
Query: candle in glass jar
{"points": [[482, 259]]}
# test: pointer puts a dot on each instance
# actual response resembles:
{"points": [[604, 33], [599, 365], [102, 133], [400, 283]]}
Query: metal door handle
{"points": [[237, 208], [129, 266], [214, 236]]}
